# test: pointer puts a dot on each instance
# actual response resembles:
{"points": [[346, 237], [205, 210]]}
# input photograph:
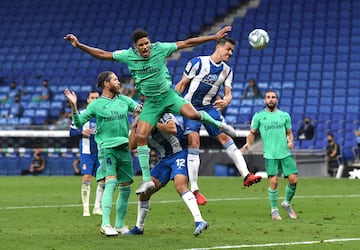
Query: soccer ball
{"points": [[258, 39]]}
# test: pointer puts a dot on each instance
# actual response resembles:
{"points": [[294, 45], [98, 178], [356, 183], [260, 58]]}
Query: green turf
{"points": [[46, 213]]}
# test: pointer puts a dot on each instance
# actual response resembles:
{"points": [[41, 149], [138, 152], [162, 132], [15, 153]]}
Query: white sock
{"points": [[99, 193], [193, 163], [236, 156], [143, 209], [190, 202], [85, 194]]}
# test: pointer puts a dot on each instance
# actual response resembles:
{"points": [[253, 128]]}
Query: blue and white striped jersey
{"points": [[164, 143], [206, 78], [87, 145]]}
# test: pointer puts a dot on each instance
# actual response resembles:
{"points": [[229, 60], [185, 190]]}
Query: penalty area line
{"points": [[277, 244]]}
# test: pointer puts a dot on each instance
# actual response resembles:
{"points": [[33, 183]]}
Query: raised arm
{"points": [[191, 42], [98, 53]]}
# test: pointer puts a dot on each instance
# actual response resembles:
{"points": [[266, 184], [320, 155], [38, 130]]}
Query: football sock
{"points": [[99, 194], [190, 202], [206, 118], [143, 209], [85, 194], [236, 156], [110, 186], [273, 198], [122, 203], [193, 163], [289, 192], [143, 156]]}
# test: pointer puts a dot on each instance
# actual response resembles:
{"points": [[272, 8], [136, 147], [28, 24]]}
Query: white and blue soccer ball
{"points": [[259, 39]]}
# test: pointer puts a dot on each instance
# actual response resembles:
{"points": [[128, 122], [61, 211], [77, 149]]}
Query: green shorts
{"points": [[116, 161], [287, 166], [100, 175], [155, 106]]}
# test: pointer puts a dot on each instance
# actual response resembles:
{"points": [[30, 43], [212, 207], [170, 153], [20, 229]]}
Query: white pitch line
{"points": [[277, 244], [209, 200]]}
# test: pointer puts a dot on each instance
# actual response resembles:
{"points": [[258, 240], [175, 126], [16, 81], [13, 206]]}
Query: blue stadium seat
{"points": [[325, 109], [231, 110], [231, 119], [247, 102], [285, 101], [306, 144], [245, 110], [311, 109]]}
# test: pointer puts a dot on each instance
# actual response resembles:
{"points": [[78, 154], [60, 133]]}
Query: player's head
{"points": [[92, 95], [271, 99], [141, 42], [108, 81], [225, 48]]}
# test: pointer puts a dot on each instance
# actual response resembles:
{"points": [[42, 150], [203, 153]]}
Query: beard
{"points": [[271, 106], [114, 90]]}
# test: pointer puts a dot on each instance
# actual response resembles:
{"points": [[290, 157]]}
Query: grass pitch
{"points": [[46, 213]]}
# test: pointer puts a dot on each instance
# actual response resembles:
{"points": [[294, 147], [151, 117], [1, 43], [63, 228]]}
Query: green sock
{"points": [[122, 203], [206, 118], [273, 198], [106, 202], [143, 155], [289, 192]]}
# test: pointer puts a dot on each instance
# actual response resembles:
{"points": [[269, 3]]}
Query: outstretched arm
{"points": [[191, 42], [98, 53]]}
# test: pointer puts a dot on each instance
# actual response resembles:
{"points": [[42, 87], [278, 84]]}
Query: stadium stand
{"points": [[314, 69]]}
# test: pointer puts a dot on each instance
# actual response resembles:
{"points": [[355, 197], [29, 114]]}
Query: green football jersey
{"points": [[272, 127], [112, 123], [150, 74]]}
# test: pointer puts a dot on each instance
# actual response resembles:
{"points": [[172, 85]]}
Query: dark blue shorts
{"points": [[89, 163], [167, 168], [194, 126]]}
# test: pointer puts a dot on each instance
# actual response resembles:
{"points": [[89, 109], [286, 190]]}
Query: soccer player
{"points": [[274, 126], [89, 161], [112, 137], [167, 139], [147, 64], [203, 76]]}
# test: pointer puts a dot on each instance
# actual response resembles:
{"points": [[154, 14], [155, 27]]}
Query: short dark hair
{"points": [[91, 92], [138, 34], [102, 77], [224, 40], [272, 91]]}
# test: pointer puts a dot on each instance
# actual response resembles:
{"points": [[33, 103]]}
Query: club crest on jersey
{"points": [[210, 79]]}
